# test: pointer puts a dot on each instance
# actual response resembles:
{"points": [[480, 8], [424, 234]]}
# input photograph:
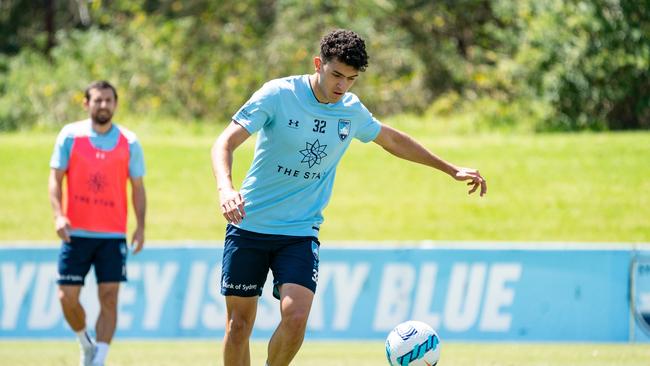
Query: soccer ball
{"points": [[413, 343]]}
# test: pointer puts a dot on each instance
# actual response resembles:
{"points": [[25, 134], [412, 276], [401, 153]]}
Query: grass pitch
{"points": [[561, 187], [208, 353]]}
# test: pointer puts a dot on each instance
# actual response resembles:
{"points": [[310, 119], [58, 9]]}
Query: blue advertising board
{"points": [[467, 292]]}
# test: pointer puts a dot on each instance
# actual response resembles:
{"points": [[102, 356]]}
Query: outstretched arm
{"points": [[232, 203], [404, 146]]}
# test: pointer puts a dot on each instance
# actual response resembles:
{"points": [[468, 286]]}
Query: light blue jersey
{"points": [[106, 141], [299, 146]]}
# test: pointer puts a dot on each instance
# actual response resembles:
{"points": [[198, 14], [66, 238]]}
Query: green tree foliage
{"points": [[611, 84], [587, 60], [540, 65], [164, 62]]}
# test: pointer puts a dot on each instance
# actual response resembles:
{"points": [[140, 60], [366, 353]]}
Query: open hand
{"points": [[475, 180]]}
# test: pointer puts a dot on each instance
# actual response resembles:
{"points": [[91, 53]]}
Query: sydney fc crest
{"points": [[641, 292], [344, 128]]}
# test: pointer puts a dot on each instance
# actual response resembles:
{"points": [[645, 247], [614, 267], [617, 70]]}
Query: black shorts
{"points": [[248, 256], [107, 255]]}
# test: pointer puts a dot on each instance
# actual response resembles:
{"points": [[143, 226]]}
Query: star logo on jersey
{"points": [[97, 182], [313, 153]]}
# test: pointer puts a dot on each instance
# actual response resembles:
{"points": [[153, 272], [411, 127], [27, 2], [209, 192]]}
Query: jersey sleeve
{"points": [[136, 160], [369, 128], [61, 152], [258, 110]]}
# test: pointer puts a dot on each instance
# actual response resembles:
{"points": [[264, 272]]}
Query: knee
{"points": [[239, 329], [108, 300], [68, 299], [296, 320]]}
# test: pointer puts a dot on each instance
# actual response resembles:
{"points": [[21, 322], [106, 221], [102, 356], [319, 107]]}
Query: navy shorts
{"points": [[108, 256], [248, 256]]}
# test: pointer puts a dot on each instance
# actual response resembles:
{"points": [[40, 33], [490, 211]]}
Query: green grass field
{"points": [[208, 353], [562, 187]]}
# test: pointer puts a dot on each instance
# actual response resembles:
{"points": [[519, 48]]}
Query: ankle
{"points": [[84, 338]]}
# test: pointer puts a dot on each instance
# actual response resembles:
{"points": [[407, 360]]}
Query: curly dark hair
{"points": [[346, 46]]}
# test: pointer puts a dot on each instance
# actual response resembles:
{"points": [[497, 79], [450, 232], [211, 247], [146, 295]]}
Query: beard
{"points": [[102, 116]]}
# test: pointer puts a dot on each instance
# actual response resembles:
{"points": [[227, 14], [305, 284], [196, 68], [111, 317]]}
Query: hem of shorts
{"points": [[112, 280], [241, 295], [71, 283], [313, 290]]}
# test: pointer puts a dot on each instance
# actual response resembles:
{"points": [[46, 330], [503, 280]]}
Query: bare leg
{"points": [[295, 305], [73, 312], [107, 320], [76, 317], [240, 315]]}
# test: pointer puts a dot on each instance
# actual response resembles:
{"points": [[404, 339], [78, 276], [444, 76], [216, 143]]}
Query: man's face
{"points": [[101, 105], [335, 79]]}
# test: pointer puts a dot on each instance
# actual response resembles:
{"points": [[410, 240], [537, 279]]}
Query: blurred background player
{"points": [[305, 125], [97, 157]]}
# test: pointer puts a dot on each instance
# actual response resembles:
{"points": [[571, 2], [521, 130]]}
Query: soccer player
{"points": [[305, 124], [97, 157]]}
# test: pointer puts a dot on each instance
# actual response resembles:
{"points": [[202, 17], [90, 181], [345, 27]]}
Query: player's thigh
{"points": [[110, 260], [108, 293], [245, 265], [75, 259], [241, 310], [296, 263], [295, 300]]}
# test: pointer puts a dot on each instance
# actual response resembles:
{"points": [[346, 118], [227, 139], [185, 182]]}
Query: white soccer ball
{"points": [[413, 343]]}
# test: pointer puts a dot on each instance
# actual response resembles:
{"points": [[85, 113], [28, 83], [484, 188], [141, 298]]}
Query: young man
{"points": [[305, 125], [97, 157]]}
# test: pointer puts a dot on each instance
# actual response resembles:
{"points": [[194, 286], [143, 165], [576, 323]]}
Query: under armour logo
{"points": [[293, 124]]}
